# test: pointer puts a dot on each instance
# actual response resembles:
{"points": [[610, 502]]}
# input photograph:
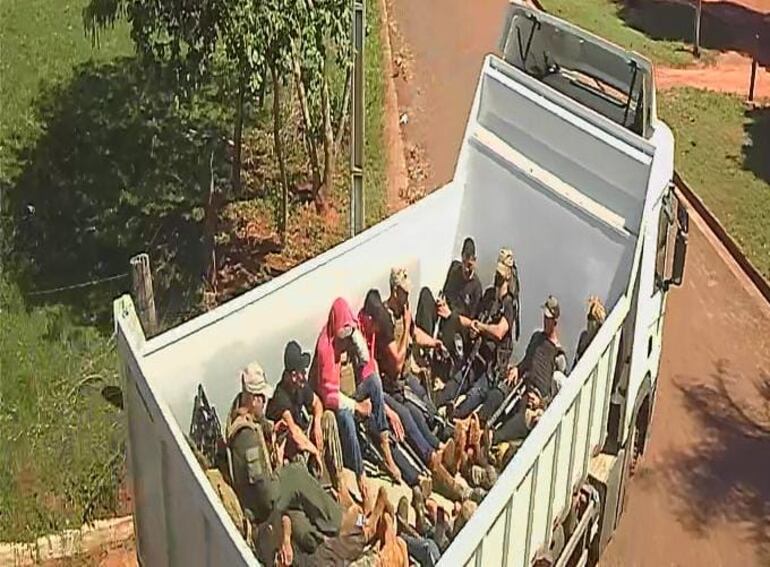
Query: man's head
{"points": [[504, 268], [468, 257], [551, 312], [255, 391], [295, 363], [400, 286]]}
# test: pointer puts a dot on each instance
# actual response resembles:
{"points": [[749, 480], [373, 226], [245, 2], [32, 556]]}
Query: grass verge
{"points": [[61, 458], [656, 30], [375, 191], [722, 149]]}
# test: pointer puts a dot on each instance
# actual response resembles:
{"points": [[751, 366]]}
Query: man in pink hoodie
{"points": [[340, 347]]}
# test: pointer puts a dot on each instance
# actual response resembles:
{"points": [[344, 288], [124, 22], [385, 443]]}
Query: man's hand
{"points": [[280, 450], [319, 462], [285, 553], [475, 328], [364, 408], [513, 375], [395, 424], [318, 436]]}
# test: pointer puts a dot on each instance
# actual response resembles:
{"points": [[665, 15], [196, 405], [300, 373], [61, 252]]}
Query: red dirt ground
{"points": [[702, 494], [729, 74]]}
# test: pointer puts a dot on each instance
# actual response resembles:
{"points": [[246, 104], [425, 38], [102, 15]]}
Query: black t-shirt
{"points": [[492, 310], [462, 295], [298, 400], [539, 362]]}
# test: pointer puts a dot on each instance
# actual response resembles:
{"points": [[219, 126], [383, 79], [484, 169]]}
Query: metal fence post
{"points": [[357, 121]]}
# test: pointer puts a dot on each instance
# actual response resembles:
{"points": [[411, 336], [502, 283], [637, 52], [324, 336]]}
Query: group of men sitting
{"points": [[430, 399]]}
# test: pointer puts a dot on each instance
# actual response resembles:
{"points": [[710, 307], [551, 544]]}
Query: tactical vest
{"points": [[504, 348], [255, 462]]}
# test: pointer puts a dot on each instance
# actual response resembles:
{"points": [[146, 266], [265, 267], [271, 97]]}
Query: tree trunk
{"points": [[211, 214], [284, 221], [237, 137], [310, 146], [329, 153], [343, 114]]}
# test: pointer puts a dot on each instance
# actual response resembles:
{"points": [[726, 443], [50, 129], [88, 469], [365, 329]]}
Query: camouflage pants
{"points": [[332, 444]]}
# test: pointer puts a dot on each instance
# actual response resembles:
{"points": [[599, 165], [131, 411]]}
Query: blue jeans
{"points": [[414, 434], [371, 388], [423, 550], [351, 450]]}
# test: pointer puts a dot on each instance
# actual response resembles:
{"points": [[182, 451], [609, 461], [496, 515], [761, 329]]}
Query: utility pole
{"points": [[141, 284], [357, 120], [696, 45]]}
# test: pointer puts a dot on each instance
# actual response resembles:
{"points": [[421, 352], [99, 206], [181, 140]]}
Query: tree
{"points": [[322, 46], [191, 41]]}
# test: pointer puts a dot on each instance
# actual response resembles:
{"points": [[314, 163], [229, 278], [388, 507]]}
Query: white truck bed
{"points": [[563, 187]]}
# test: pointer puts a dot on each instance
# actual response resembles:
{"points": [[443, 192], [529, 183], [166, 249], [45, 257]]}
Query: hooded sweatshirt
{"points": [[327, 361]]}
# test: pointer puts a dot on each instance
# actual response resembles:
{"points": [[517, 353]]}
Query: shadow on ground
{"points": [[756, 150], [727, 476], [118, 168], [724, 26]]}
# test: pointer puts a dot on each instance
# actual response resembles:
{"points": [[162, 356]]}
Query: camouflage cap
{"points": [[253, 381], [400, 278], [551, 308], [505, 263]]}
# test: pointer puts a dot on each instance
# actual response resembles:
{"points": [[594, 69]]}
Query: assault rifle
{"points": [[511, 399], [206, 429], [473, 356]]}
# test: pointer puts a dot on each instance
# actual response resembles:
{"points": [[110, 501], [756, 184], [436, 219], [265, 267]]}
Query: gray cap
{"points": [[551, 308]]}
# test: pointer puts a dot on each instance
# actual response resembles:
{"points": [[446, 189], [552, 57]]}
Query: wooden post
{"points": [[696, 45], [752, 82], [141, 282]]}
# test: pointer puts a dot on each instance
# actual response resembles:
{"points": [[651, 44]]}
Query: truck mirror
{"points": [[682, 216], [680, 253]]}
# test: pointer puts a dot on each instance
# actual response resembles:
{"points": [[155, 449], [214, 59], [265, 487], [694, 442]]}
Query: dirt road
{"points": [[702, 494], [729, 74]]}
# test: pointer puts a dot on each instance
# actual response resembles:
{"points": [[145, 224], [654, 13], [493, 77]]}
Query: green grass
{"points": [[723, 151], [61, 444], [98, 163], [61, 453], [41, 42], [375, 190], [661, 32]]}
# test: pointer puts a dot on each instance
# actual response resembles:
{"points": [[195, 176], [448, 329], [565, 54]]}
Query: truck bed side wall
{"points": [[179, 519], [515, 520], [541, 124], [559, 249], [296, 305]]}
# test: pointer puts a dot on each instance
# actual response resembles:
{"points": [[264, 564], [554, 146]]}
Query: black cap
{"points": [[469, 248], [293, 357]]}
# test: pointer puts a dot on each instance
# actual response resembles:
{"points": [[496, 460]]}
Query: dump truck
{"points": [[564, 161]]}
